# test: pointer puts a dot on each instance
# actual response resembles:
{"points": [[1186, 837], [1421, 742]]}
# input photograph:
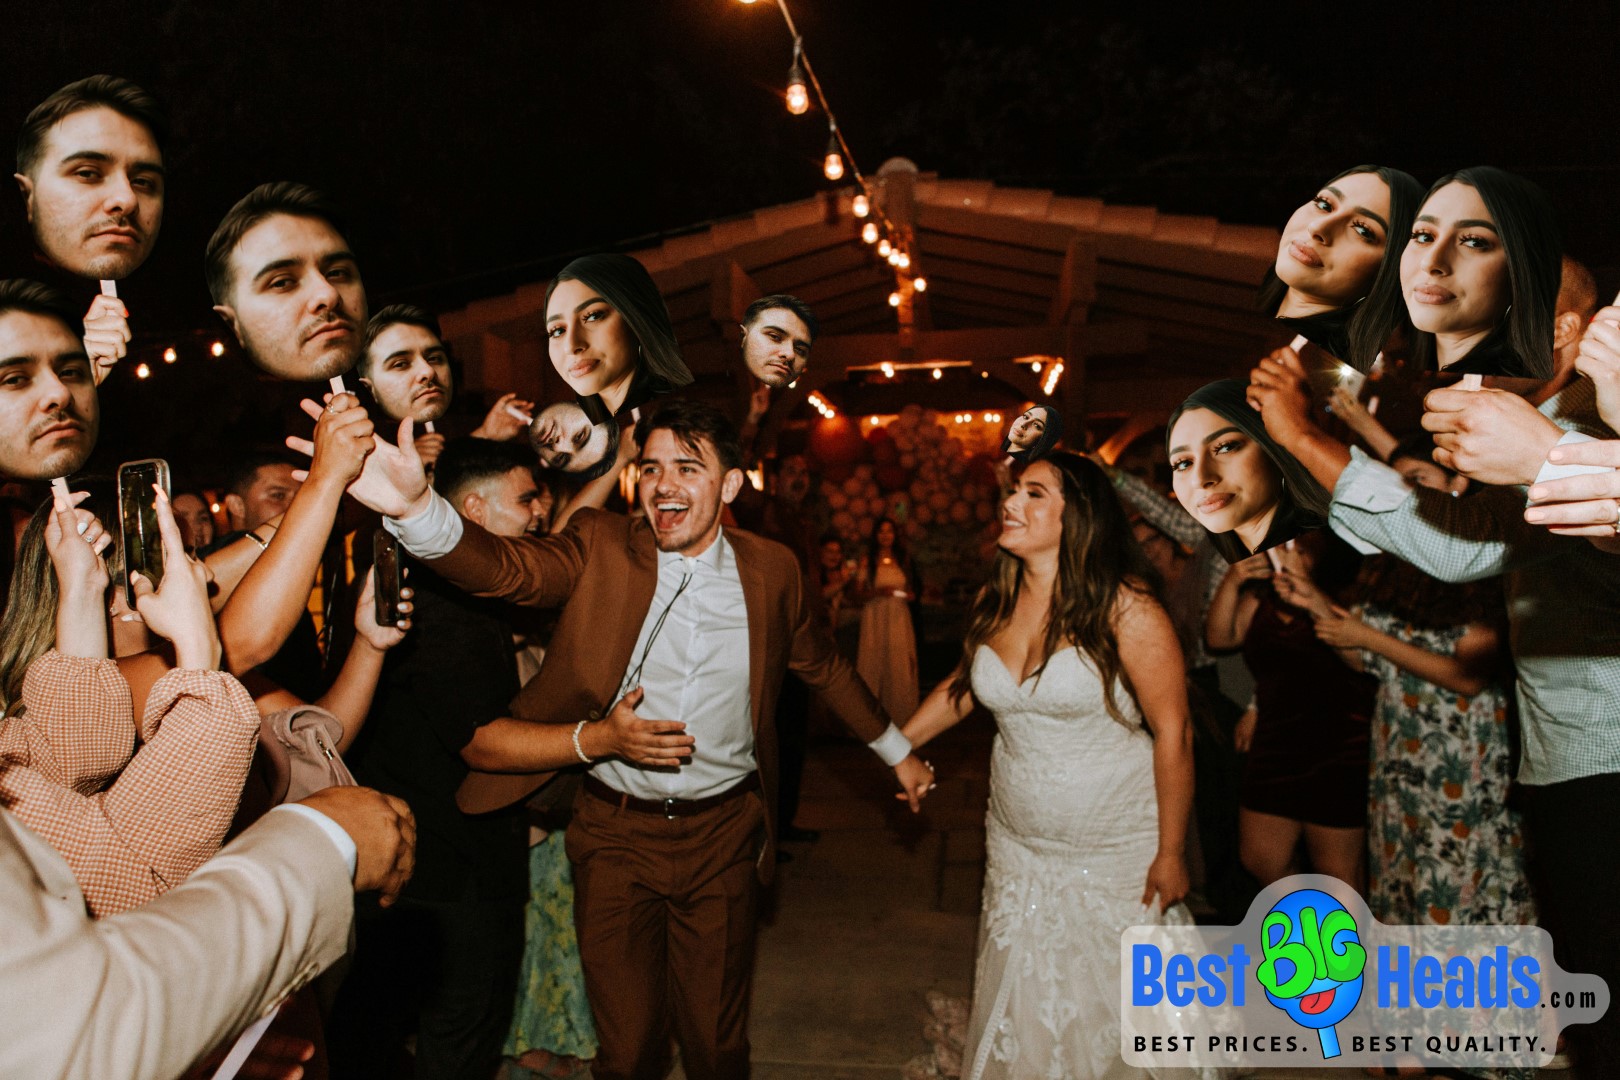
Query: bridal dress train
{"points": [[1072, 830]]}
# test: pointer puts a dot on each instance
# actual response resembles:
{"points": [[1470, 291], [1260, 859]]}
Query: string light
{"points": [[169, 355], [1052, 374], [938, 374], [904, 261], [822, 406], [833, 167], [798, 96], [894, 257], [869, 232], [861, 206], [218, 349], [884, 248], [920, 284], [1035, 366], [144, 371], [894, 299], [214, 507], [888, 370]]}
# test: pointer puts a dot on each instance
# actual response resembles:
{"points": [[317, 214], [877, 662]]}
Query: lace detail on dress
{"points": [[1071, 832]]}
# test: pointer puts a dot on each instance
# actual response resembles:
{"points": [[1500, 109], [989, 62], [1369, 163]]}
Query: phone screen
{"points": [[137, 520], [385, 595]]}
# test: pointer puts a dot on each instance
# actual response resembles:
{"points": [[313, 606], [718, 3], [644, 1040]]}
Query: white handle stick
{"points": [[1372, 405], [337, 385], [244, 1046], [518, 414], [109, 288], [1472, 382], [1299, 342], [59, 487], [428, 427]]}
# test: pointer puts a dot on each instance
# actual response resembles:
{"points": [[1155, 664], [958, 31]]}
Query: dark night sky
{"points": [[478, 143], [468, 137]]}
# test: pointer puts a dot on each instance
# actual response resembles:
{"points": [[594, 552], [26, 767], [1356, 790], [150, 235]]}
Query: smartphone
{"points": [[138, 535], [390, 576]]}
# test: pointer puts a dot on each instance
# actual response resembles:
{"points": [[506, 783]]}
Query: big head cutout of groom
{"points": [[283, 278]]}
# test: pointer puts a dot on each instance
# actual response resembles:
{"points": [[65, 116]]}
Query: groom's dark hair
{"points": [[690, 421]]}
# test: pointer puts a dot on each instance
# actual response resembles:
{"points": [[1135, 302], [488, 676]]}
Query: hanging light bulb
{"points": [[884, 249], [888, 370], [169, 355], [861, 206], [920, 284], [1035, 366], [798, 96], [833, 166], [217, 348], [144, 371], [904, 261], [869, 232], [894, 258], [938, 374], [894, 299]]}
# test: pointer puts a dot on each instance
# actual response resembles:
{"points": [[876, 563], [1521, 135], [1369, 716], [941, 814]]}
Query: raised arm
{"points": [[349, 698], [1153, 665], [1348, 407], [1226, 623], [263, 610], [1467, 671]]}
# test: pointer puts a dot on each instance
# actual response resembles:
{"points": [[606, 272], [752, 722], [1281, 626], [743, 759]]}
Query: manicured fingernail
{"points": [[83, 525], [128, 618], [1534, 515]]}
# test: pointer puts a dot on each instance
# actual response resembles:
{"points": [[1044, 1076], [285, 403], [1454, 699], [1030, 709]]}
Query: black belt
{"points": [[669, 808]]}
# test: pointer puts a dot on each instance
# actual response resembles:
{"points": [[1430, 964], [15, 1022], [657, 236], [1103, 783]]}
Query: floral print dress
{"points": [[1444, 848]]}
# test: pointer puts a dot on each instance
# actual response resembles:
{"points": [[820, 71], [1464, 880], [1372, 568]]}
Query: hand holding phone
{"points": [[140, 538], [388, 580]]}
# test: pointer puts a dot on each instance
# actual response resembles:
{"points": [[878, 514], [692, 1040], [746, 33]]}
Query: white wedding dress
{"points": [[1072, 830]]}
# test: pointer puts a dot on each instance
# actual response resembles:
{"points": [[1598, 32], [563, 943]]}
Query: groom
{"points": [[689, 625]]}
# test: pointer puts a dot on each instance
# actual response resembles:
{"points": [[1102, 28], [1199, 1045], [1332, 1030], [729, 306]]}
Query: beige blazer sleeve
{"points": [[145, 993]]}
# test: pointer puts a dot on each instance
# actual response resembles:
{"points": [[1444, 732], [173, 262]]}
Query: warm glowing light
{"points": [[833, 166], [894, 299], [894, 258], [169, 355], [144, 371], [793, 384], [1052, 374], [861, 206], [920, 284], [217, 348], [884, 249], [869, 232], [1035, 366], [798, 98], [938, 374], [904, 261], [888, 370], [987, 417], [984, 374], [214, 507]]}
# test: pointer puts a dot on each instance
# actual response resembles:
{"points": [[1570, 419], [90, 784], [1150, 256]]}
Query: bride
{"points": [[1070, 651]]}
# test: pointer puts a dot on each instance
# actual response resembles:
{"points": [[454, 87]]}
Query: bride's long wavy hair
{"points": [[1097, 558]]}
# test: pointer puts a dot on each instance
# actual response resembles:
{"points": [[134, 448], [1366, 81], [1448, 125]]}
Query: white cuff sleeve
{"points": [[1550, 472], [334, 832], [432, 533], [891, 746]]}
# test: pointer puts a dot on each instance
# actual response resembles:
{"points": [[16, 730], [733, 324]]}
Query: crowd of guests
{"points": [[553, 742]]}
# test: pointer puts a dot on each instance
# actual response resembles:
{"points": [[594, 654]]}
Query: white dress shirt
{"points": [[693, 668]]}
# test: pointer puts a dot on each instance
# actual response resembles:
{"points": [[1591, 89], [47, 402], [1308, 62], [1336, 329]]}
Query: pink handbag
{"points": [[300, 748]]}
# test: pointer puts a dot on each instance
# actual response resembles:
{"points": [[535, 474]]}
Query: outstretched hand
{"points": [[392, 481], [179, 610]]}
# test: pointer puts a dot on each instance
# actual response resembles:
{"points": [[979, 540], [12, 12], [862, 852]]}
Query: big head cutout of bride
{"points": [[609, 337], [1250, 493], [1480, 275], [90, 168], [1033, 433], [1336, 279]]}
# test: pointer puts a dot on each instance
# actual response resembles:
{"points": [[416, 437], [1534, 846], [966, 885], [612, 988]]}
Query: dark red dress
{"points": [[1308, 758]]}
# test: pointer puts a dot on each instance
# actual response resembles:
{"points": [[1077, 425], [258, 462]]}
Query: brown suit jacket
{"points": [[603, 570]]}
